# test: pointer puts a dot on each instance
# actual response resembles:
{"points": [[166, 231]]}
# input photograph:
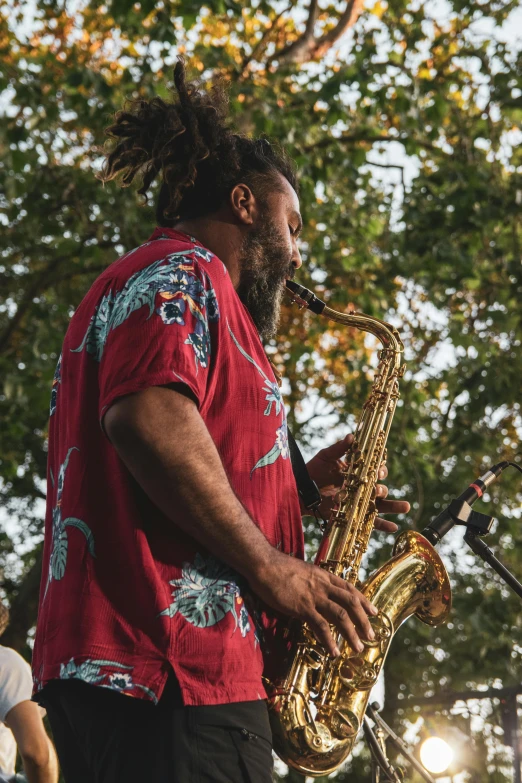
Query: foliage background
{"points": [[403, 118]]}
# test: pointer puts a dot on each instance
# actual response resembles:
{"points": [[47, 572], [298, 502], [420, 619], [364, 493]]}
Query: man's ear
{"points": [[243, 204]]}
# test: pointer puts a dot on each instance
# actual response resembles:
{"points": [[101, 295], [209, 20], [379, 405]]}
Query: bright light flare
{"points": [[436, 755]]}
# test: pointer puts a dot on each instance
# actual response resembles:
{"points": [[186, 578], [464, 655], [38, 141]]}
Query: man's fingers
{"points": [[342, 584], [347, 611], [321, 631], [381, 491], [392, 506], [383, 471], [354, 607], [386, 525], [337, 450], [338, 616]]}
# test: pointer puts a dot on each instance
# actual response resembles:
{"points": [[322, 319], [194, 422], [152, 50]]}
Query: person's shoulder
{"points": [[178, 265], [16, 683], [15, 672], [161, 254], [171, 265], [11, 659]]}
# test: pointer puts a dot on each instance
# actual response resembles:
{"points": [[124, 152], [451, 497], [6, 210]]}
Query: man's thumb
{"points": [[339, 449]]}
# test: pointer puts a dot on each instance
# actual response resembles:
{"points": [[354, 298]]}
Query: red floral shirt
{"points": [[125, 594]]}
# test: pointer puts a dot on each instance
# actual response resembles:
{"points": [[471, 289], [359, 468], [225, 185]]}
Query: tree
{"points": [[439, 252]]}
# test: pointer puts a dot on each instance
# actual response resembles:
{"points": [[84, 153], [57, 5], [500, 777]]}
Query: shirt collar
{"points": [[171, 233]]}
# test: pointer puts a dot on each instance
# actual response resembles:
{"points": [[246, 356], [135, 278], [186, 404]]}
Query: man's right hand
{"points": [[317, 597]]}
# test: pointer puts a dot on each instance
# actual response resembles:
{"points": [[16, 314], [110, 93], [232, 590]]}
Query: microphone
{"points": [[459, 509]]}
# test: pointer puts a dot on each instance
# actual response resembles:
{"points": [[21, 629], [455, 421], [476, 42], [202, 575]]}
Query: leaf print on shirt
{"points": [[185, 290], [88, 671], [206, 255], [98, 673], [56, 381], [60, 543], [206, 591], [279, 449], [175, 279], [273, 396]]}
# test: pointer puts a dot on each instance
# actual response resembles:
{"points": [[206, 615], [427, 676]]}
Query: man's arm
{"points": [[35, 747], [162, 439]]}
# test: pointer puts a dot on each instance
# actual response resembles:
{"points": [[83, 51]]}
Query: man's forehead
{"points": [[291, 197], [287, 199]]}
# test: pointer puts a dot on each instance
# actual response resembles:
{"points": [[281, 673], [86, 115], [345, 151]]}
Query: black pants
{"points": [[106, 737]]}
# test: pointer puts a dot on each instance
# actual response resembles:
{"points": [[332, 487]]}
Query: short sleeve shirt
{"points": [[125, 594], [15, 687]]}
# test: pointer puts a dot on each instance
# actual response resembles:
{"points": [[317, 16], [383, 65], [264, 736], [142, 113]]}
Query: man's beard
{"points": [[264, 267]]}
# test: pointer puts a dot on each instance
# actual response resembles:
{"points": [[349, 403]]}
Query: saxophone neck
{"points": [[386, 333]]}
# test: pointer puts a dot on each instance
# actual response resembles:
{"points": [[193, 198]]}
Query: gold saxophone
{"points": [[317, 705]]}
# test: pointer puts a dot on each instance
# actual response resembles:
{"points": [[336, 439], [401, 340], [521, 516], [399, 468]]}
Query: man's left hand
{"points": [[326, 470]]}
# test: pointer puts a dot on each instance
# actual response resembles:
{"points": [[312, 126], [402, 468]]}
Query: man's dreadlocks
{"points": [[191, 146]]}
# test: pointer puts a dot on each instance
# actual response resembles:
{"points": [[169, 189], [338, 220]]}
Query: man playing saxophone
{"points": [[171, 495]]}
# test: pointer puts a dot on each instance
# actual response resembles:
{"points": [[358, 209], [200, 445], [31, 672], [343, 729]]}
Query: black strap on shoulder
{"points": [[306, 487]]}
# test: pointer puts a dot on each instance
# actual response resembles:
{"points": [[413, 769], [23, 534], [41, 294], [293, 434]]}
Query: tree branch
{"points": [[307, 47], [40, 283], [347, 20], [43, 281], [384, 165], [293, 52], [390, 166], [259, 47], [354, 138]]}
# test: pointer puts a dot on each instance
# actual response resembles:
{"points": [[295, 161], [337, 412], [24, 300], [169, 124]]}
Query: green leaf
{"points": [[84, 528], [59, 556], [268, 459]]}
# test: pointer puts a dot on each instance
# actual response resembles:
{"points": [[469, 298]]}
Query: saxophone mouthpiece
{"points": [[305, 298]]}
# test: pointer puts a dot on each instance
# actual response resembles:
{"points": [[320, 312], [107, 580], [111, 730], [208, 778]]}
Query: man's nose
{"points": [[297, 261]]}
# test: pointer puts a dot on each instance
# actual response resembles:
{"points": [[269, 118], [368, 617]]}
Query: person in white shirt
{"points": [[21, 720]]}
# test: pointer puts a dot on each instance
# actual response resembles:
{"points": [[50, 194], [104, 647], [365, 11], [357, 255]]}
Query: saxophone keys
{"points": [[314, 658], [318, 737], [345, 723], [357, 674], [382, 628]]}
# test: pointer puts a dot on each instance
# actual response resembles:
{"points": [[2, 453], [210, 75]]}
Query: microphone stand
{"points": [[482, 550], [478, 525], [376, 739]]}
